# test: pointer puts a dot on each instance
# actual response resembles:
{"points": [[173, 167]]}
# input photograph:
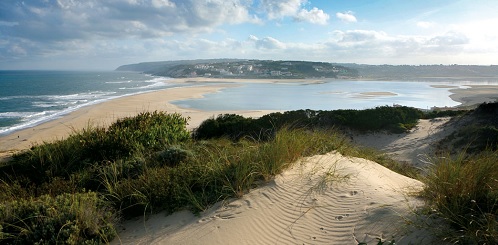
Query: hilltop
{"points": [[242, 68]]}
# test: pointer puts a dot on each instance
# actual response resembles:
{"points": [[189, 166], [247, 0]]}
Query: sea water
{"points": [[28, 98]]}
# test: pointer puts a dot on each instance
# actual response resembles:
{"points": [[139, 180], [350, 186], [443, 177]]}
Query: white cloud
{"points": [[346, 16], [266, 43], [276, 9], [314, 16], [356, 37], [449, 39], [162, 3], [369, 45], [136, 30], [279, 9]]}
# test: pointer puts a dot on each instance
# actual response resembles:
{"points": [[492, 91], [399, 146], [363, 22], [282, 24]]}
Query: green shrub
{"points": [[172, 156], [394, 119], [66, 219], [147, 130], [127, 138], [229, 125]]}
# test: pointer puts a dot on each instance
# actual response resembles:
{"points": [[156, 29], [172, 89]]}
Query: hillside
{"points": [[242, 69]]}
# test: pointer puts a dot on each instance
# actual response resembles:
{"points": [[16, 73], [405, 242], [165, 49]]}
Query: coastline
{"points": [[103, 114], [290, 208]]}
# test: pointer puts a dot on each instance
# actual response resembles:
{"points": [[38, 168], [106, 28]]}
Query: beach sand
{"points": [[414, 147], [362, 201], [475, 94]]}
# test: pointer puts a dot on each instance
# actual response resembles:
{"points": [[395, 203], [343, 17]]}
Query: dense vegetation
{"points": [[76, 190], [73, 191], [384, 118]]}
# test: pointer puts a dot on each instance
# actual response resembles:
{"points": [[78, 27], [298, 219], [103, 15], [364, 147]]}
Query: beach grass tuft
{"points": [[463, 190]]}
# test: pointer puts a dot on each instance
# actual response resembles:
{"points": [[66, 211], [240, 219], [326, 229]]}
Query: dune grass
{"points": [[463, 190]]}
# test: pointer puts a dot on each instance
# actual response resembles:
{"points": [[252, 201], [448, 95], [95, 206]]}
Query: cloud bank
{"points": [[105, 34]]}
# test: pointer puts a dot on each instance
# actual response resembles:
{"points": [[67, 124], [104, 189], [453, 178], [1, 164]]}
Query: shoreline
{"points": [[105, 113]]}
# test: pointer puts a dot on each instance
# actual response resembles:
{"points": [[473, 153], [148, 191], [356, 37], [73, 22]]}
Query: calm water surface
{"points": [[331, 95]]}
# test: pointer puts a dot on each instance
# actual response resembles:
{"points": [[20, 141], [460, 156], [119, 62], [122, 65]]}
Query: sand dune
{"points": [[414, 147], [326, 199]]}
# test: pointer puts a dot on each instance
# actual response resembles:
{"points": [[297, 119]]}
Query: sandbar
{"points": [[375, 94]]}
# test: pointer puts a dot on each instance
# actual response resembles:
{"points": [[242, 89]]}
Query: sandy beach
{"points": [[105, 113], [300, 206]]}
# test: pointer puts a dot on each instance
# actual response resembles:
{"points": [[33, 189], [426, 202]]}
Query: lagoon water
{"points": [[329, 95], [28, 98]]}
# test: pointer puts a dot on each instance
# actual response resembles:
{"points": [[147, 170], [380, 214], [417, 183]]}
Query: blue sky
{"points": [[103, 34]]}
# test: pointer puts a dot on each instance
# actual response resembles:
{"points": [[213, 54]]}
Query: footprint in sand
{"points": [[340, 217]]}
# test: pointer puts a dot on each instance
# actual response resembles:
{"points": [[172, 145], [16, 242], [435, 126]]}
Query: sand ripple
{"points": [[327, 199]]}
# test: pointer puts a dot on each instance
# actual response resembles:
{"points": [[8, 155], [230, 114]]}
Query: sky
{"points": [[104, 34]]}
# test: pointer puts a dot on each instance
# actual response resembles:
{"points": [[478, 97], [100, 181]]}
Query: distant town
{"points": [[238, 68]]}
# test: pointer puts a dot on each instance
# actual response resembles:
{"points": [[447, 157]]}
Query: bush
{"points": [[128, 137], [151, 131], [229, 125], [173, 156], [66, 219], [393, 119]]}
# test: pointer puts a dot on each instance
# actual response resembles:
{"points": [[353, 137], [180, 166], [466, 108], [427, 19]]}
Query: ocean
{"points": [[29, 98]]}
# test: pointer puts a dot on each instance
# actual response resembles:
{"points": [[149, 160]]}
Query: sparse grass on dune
{"points": [[463, 191], [214, 170]]}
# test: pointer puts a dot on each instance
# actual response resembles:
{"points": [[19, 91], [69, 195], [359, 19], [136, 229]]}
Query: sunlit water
{"points": [[330, 95], [28, 98]]}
